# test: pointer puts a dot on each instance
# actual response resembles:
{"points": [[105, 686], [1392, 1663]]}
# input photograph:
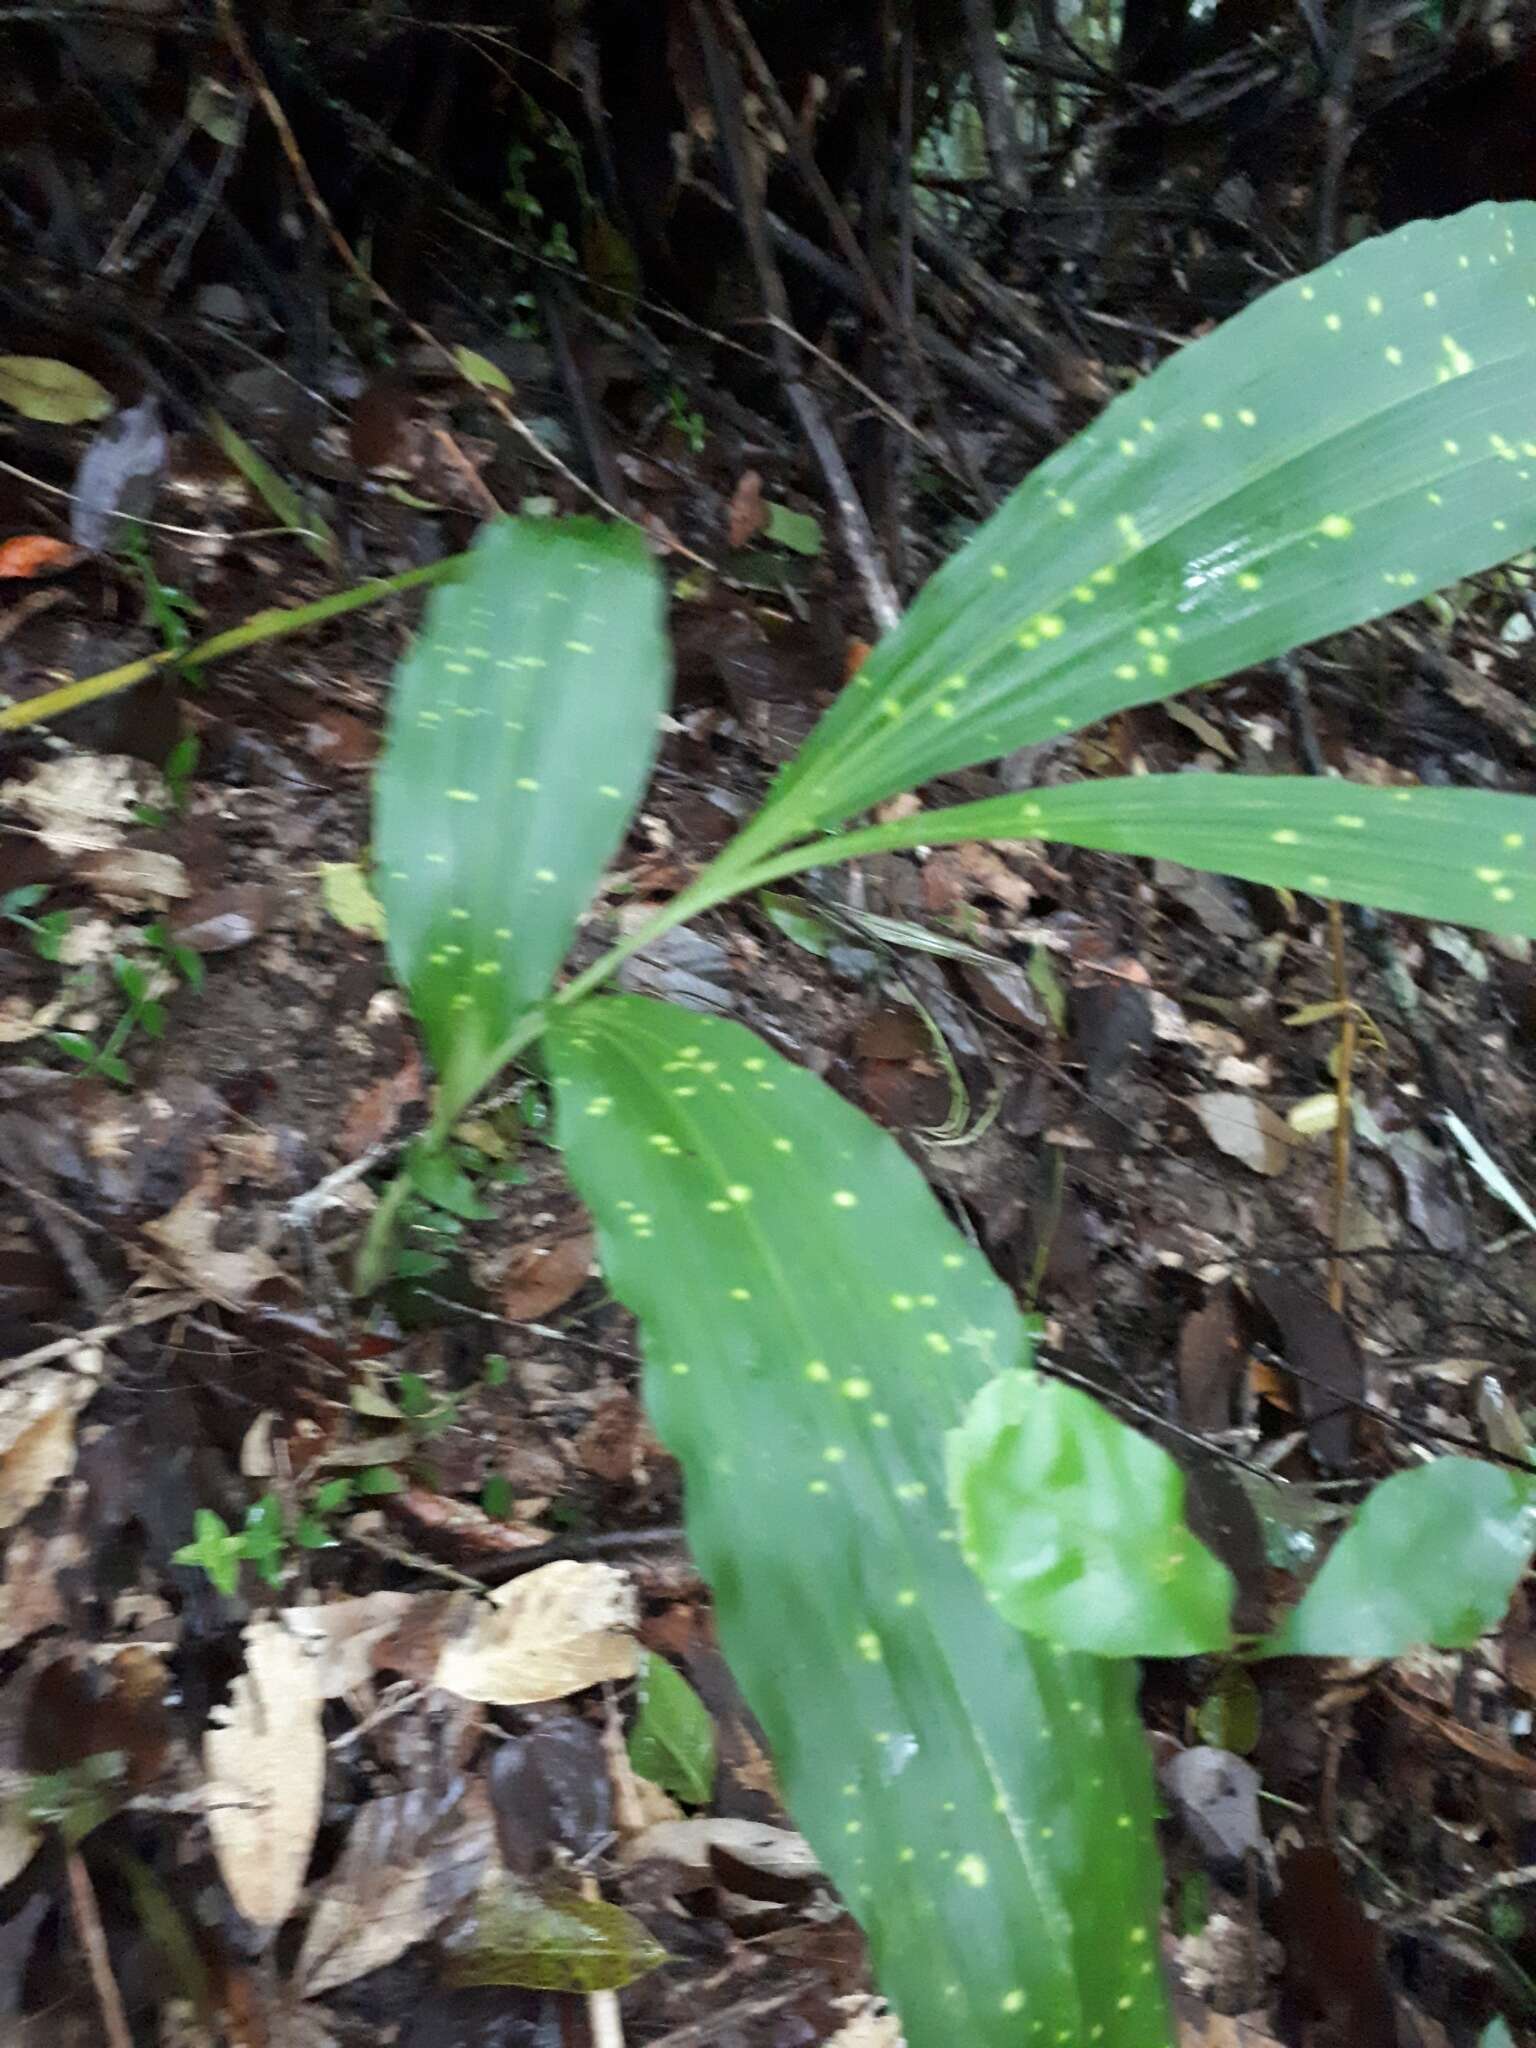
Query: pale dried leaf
{"points": [[265, 1758], [556, 1631], [409, 1861], [79, 803], [184, 1237], [776, 1852], [542, 1276], [128, 877], [871, 2027], [341, 1637], [1246, 1130], [19, 1843], [30, 1599], [37, 1436]]}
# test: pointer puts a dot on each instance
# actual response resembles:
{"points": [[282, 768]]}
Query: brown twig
{"points": [[1344, 1056], [93, 1940]]}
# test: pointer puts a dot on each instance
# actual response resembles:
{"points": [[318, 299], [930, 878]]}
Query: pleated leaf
{"points": [[812, 1327], [1348, 442], [522, 727], [1075, 1525], [1465, 856]]}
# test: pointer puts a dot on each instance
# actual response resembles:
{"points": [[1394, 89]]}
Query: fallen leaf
{"points": [[410, 1860], [374, 1112], [41, 388], [184, 1239], [341, 1637], [1316, 1343], [265, 1758], [219, 920], [1208, 1360], [30, 1595], [19, 1843], [128, 877], [746, 515], [871, 2027], [553, 1632], [481, 370], [777, 1853], [119, 474], [80, 802], [348, 898], [1216, 1795], [37, 1434], [1246, 1130], [26, 555], [543, 1275]]}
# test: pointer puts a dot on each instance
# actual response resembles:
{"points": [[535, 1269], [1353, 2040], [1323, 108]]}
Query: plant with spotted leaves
{"points": [[814, 1327]]}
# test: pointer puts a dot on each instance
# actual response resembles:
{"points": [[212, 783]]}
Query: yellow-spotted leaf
{"points": [[1350, 441], [521, 733], [1463, 856], [813, 1325]]}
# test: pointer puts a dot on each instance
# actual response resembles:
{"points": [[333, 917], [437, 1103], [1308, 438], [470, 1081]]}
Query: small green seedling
{"points": [[142, 1011], [687, 419], [48, 931], [950, 1692]]}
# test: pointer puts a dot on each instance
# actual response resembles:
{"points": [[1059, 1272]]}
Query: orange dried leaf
{"points": [[26, 555]]}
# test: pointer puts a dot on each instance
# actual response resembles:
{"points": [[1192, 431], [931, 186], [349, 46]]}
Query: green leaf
{"points": [[438, 1177], [673, 1740], [549, 1941], [347, 896], [1350, 441], [1433, 1556], [1075, 1525], [214, 1550], [1464, 856], [812, 1326], [799, 925], [481, 370], [797, 531], [522, 729], [42, 389], [276, 493]]}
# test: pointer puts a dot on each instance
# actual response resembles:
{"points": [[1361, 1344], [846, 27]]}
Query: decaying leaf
{"points": [[342, 1636], [348, 898], [409, 1861], [1246, 1130], [37, 1433], [128, 877], [27, 555], [777, 1853], [553, 1632], [548, 1940], [265, 1758], [543, 1275], [872, 2026], [80, 803], [119, 474], [184, 1239]]}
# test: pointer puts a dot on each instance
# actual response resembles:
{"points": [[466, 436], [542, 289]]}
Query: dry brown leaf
{"points": [[265, 1758], [409, 1861], [128, 877], [542, 1276], [1246, 1130], [37, 1433], [777, 1852], [341, 1637], [746, 515], [374, 1113], [553, 1632], [30, 1599], [184, 1238]]}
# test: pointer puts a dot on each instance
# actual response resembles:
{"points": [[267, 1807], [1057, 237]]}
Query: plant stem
{"points": [[268, 625]]}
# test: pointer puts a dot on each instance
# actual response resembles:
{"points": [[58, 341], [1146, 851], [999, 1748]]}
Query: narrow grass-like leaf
{"points": [[812, 1326], [1433, 1556], [1461, 856], [1075, 1525], [522, 729], [1348, 442]]}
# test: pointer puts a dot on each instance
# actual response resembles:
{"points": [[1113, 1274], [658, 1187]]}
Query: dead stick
{"points": [[93, 1940]]}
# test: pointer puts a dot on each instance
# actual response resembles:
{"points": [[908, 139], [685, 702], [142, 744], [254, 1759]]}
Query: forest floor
{"points": [[1113, 1069]]}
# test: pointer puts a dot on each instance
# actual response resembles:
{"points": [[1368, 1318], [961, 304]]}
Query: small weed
{"points": [[142, 1011], [48, 931], [688, 422]]}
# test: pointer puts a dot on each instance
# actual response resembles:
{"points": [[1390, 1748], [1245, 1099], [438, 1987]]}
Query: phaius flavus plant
{"points": [[960, 1744]]}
